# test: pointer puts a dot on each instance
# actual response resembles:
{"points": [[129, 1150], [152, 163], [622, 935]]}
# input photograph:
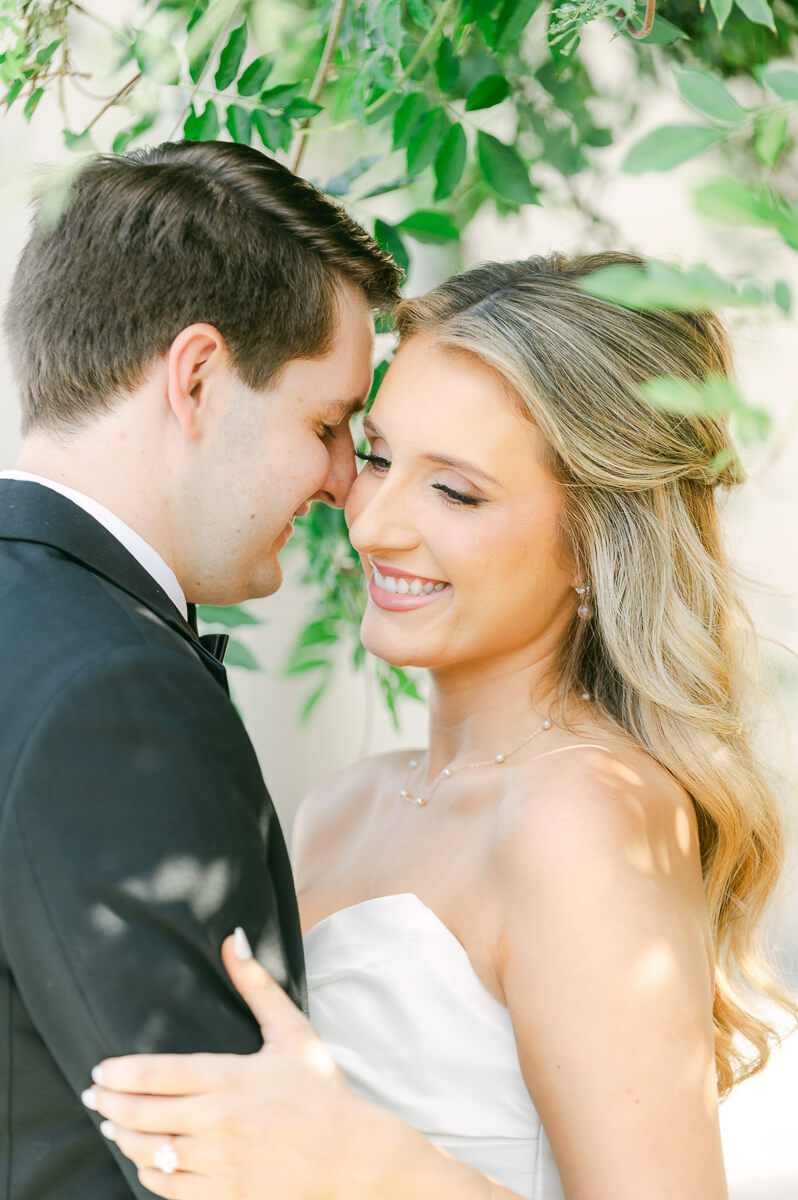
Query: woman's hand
{"points": [[282, 1122]]}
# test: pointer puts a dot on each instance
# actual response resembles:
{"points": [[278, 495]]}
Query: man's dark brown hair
{"points": [[155, 240]]}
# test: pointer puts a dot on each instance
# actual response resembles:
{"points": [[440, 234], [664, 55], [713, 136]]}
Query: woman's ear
{"points": [[195, 360]]}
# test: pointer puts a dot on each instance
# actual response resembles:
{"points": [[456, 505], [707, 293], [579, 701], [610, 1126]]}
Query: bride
{"points": [[532, 943]]}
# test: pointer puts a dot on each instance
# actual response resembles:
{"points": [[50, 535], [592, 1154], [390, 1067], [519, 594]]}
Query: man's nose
{"points": [[342, 473]]}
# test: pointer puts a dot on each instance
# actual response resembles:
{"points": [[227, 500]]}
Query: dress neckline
{"points": [[352, 911]]}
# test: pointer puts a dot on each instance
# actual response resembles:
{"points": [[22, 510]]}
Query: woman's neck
{"points": [[479, 711]]}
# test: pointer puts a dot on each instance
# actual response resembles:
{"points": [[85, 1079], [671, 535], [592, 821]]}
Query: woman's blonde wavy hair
{"points": [[667, 655]]}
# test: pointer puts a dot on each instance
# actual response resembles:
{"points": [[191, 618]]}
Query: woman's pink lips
{"points": [[396, 602]]}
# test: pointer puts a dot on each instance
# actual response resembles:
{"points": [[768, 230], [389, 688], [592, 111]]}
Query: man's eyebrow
{"points": [[344, 410], [445, 460]]}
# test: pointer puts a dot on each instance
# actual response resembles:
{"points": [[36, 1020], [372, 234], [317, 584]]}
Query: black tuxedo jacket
{"points": [[135, 833]]}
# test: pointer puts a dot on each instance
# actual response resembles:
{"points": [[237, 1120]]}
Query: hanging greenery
{"points": [[447, 107]]}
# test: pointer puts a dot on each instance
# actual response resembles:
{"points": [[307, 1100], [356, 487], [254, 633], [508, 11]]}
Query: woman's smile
{"points": [[399, 590]]}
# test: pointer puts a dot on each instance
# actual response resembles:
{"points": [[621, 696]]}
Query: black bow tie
{"points": [[214, 643]]}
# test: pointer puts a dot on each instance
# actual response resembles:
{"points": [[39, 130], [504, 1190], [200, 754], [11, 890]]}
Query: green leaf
{"points": [[736, 203], [307, 664], [421, 12], [450, 162], [204, 27], [239, 655], [781, 80], [707, 95], [409, 119], [424, 147], [45, 54], [758, 11], [123, 140], [389, 240], [504, 170], [81, 143], [770, 134], [230, 58], [273, 130], [239, 124], [13, 91], [426, 226], [276, 98], [340, 185], [716, 396], [721, 9], [669, 146], [157, 58], [231, 616], [660, 285], [663, 33], [782, 296], [202, 127], [447, 66], [512, 20], [32, 103], [301, 109], [489, 91], [254, 77], [313, 699]]}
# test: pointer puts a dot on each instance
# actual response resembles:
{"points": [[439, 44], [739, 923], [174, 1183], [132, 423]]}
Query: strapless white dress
{"points": [[393, 994]]}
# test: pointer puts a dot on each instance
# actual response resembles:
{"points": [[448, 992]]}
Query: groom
{"points": [[190, 340]]}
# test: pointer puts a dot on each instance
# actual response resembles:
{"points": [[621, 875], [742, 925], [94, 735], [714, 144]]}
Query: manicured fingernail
{"points": [[97, 1075], [89, 1098], [241, 945], [107, 1130]]}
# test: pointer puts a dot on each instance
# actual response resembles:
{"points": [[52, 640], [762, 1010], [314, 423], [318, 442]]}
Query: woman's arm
{"points": [[606, 971]]}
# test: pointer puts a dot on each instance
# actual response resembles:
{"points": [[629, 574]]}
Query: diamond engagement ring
{"points": [[165, 1159]]}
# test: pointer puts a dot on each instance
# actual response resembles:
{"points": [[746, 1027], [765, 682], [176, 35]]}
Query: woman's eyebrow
{"points": [[445, 460]]}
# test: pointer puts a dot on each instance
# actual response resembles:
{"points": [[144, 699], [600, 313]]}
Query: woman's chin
{"points": [[394, 651]]}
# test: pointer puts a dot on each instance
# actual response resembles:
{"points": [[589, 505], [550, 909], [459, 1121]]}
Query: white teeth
{"points": [[439, 587], [389, 583], [416, 587], [379, 578], [427, 588], [402, 587]]}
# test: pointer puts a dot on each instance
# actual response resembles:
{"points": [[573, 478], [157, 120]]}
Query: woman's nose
{"points": [[382, 519]]}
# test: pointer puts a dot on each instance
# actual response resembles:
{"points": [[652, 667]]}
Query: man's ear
{"points": [[197, 353]]}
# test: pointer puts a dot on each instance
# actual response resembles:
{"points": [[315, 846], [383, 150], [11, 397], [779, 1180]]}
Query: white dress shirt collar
{"points": [[133, 542]]}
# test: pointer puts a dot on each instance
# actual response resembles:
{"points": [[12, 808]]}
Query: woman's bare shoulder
{"points": [[332, 809], [598, 792]]}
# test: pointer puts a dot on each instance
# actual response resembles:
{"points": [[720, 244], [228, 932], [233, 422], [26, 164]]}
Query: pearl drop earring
{"points": [[584, 611]]}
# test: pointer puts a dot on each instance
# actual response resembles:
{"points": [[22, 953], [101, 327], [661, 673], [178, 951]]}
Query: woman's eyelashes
{"points": [[450, 496]]}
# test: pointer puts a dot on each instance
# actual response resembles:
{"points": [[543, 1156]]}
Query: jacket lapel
{"points": [[32, 512]]}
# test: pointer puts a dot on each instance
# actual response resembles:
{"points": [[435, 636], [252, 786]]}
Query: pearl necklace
{"points": [[447, 772]]}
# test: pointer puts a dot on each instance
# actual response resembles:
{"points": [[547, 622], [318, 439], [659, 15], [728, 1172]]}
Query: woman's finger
{"points": [[277, 1015], [164, 1074], [180, 1186], [198, 1156], [149, 1114]]}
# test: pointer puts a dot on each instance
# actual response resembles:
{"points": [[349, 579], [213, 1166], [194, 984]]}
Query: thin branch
{"points": [[320, 80], [120, 95], [420, 54], [648, 23], [216, 42], [93, 17]]}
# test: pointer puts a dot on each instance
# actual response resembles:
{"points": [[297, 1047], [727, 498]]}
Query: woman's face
{"points": [[455, 518]]}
